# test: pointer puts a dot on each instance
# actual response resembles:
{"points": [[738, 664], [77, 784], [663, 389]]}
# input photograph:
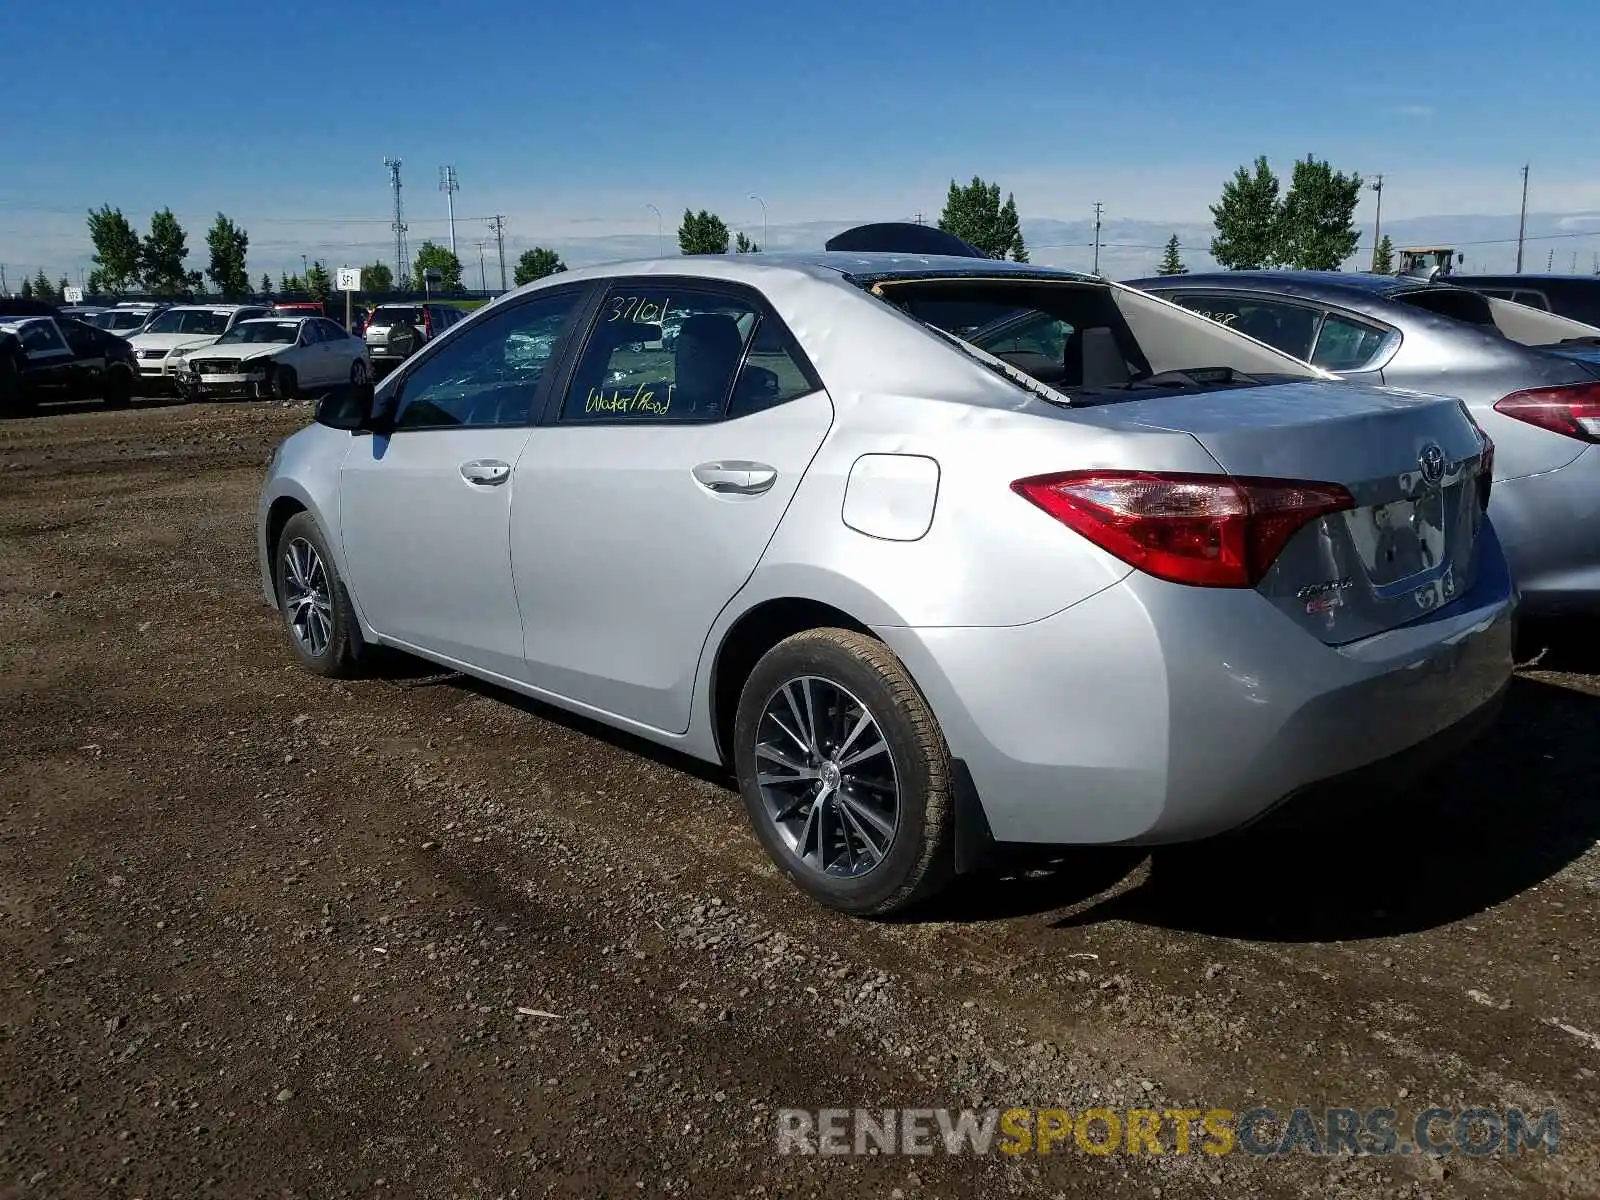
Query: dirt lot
{"points": [[262, 934]]}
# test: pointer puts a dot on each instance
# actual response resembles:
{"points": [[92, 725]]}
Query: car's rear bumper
{"points": [[1550, 524], [1154, 713]]}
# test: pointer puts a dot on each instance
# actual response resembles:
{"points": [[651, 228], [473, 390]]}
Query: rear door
{"points": [[425, 511], [644, 501]]}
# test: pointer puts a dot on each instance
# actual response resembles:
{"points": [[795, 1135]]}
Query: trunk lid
{"points": [[1410, 461]]}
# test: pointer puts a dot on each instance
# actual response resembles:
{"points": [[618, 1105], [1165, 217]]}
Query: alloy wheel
{"points": [[827, 777], [307, 600]]}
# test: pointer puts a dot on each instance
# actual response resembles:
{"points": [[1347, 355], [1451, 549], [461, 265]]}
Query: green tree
{"points": [[1316, 232], [744, 245], [536, 264], [376, 277], [266, 284], [161, 257], [973, 213], [319, 284], [283, 282], [116, 251], [1383, 258], [61, 286], [702, 233], [228, 244], [1248, 220], [27, 288], [1171, 263], [434, 257], [42, 289]]}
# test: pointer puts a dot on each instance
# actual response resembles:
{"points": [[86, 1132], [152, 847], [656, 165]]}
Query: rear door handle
{"points": [[736, 477], [486, 472]]}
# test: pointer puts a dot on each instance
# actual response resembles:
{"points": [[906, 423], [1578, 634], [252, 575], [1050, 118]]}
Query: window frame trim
{"points": [[583, 311], [725, 288], [1386, 349]]}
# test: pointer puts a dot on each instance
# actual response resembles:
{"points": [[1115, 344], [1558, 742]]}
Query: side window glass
{"points": [[309, 333], [658, 354], [1040, 333], [491, 374], [771, 374], [1286, 327], [1346, 345]]}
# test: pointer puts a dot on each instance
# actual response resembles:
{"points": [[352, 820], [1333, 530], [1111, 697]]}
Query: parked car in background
{"points": [[1531, 380], [395, 332], [125, 322], [50, 358], [1573, 296], [916, 597], [81, 312], [162, 343], [275, 358]]}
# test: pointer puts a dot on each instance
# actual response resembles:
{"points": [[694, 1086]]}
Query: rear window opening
{"points": [[1087, 343], [397, 316], [1516, 322]]}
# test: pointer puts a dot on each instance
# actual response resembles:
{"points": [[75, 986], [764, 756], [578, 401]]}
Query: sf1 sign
{"points": [[349, 279]]}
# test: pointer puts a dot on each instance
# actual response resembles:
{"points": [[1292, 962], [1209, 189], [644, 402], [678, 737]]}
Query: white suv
{"points": [[163, 343]]}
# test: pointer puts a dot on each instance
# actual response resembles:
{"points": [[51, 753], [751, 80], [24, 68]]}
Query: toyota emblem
{"points": [[1432, 462]]}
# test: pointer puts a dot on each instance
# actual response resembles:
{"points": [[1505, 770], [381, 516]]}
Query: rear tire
{"points": [[359, 373], [845, 773], [324, 635]]}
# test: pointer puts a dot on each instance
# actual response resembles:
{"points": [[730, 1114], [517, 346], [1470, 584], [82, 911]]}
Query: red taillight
{"points": [[427, 323], [1572, 410], [1204, 530]]}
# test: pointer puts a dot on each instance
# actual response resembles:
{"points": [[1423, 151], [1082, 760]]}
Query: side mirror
{"points": [[348, 406]]}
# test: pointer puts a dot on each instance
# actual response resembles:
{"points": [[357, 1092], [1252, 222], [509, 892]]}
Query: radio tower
{"points": [[401, 270], [449, 186]]}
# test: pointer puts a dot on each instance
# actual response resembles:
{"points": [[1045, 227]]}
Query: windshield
{"points": [[178, 320], [123, 319], [261, 333]]}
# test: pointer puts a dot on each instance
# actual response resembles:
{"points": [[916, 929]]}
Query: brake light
{"points": [[1203, 530], [1572, 410], [427, 322]]}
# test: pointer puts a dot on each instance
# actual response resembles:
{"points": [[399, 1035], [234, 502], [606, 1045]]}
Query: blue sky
{"points": [[571, 118]]}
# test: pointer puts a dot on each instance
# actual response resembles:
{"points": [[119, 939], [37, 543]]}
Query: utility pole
{"points": [[918, 217], [657, 212], [1522, 224], [1097, 209], [1574, 262], [763, 204], [1550, 263], [498, 224], [1377, 222], [449, 186], [6, 291], [483, 274], [401, 268]]}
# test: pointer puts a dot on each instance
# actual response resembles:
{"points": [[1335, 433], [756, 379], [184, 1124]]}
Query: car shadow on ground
{"points": [[1505, 814]]}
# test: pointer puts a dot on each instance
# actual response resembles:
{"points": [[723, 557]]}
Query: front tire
{"points": [[324, 634], [116, 389], [845, 774], [285, 386]]}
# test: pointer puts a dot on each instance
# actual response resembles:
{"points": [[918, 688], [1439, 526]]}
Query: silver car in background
{"points": [[920, 599], [1531, 379]]}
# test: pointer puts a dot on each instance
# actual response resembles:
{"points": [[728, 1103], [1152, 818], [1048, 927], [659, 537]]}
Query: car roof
{"points": [[213, 308], [1529, 278], [1332, 286], [279, 319]]}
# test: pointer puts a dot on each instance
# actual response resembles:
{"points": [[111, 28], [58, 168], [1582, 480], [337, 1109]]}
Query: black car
{"points": [[45, 357], [1576, 297]]}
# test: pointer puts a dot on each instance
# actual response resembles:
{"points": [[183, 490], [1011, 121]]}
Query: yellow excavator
{"points": [[1427, 262]]}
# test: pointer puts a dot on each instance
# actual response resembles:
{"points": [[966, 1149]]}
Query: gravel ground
{"points": [[262, 934]]}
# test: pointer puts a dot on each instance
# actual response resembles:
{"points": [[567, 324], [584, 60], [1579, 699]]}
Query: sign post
{"points": [[348, 282]]}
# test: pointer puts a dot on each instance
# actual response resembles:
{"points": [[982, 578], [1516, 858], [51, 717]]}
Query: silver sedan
{"points": [[1139, 585], [1531, 379]]}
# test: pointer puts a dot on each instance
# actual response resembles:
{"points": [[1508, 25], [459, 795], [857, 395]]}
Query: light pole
{"points": [[304, 270], [763, 204], [1377, 222], [657, 212]]}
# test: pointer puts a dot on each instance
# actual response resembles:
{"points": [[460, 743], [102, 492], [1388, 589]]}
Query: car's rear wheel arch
{"points": [[750, 637]]}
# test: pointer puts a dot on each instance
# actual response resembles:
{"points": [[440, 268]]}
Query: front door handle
{"points": [[736, 477], [486, 472]]}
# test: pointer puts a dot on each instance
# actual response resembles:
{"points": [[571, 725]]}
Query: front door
{"points": [[425, 511], [645, 501]]}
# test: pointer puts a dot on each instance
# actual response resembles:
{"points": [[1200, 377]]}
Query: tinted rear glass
{"points": [[397, 316], [1455, 303]]}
